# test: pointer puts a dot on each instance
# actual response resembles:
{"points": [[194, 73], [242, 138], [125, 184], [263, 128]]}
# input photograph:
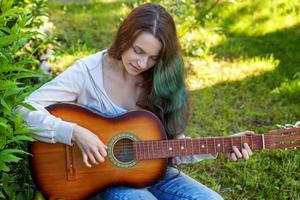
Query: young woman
{"points": [[143, 68]]}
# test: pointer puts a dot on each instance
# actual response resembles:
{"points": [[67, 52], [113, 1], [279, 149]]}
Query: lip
{"points": [[135, 68]]}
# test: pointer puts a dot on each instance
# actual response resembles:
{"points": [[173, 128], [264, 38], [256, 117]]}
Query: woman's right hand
{"points": [[92, 148]]}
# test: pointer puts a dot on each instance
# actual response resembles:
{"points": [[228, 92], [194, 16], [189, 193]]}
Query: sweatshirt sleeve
{"points": [[65, 87], [190, 159]]}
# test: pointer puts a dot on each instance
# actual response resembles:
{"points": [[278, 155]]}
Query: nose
{"points": [[142, 62]]}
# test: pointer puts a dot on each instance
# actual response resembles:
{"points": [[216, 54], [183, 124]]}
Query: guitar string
{"points": [[214, 140], [210, 141], [168, 143], [210, 144]]}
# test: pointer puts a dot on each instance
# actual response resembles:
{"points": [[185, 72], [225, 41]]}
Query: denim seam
{"points": [[176, 194]]}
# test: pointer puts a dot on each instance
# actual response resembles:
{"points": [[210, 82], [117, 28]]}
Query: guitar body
{"points": [[58, 170]]}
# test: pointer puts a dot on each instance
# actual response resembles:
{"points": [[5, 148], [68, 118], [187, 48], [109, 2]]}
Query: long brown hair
{"points": [[163, 86]]}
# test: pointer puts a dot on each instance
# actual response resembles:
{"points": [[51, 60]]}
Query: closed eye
{"points": [[137, 50], [140, 51], [154, 58]]}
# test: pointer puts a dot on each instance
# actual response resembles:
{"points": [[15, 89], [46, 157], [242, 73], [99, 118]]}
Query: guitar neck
{"points": [[145, 150]]}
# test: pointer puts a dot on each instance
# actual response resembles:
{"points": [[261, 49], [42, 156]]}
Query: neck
{"points": [[145, 150]]}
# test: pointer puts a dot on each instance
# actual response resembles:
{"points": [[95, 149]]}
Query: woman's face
{"points": [[142, 55]]}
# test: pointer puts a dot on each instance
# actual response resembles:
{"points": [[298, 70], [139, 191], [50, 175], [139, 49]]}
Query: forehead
{"points": [[148, 43]]}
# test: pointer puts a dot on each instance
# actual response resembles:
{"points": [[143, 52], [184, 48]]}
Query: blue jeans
{"points": [[173, 187]]}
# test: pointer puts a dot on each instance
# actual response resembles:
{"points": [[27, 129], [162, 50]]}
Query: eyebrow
{"points": [[144, 51]]}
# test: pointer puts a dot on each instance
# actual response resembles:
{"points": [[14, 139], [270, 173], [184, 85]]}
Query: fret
{"points": [[192, 146], [228, 144], [223, 144], [199, 145], [140, 151], [196, 146], [153, 153], [233, 142], [136, 150], [168, 148], [237, 142], [206, 146], [156, 150], [172, 149], [186, 153], [188, 146], [163, 148], [143, 150], [215, 150], [150, 153], [241, 138], [202, 145], [218, 143], [146, 150], [178, 149], [183, 148]]}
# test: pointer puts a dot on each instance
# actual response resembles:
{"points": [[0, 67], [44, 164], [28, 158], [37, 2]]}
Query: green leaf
{"points": [[12, 92], [7, 40], [26, 75], [3, 141], [7, 84], [4, 167], [6, 179], [3, 125], [28, 106], [21, 138], [5, 57], [5, 105], [13, 68], [6, 5], [14, 12], [1, 195], [8, 151], [40, 196], [9, 158], [24, 130], [18, 120]]}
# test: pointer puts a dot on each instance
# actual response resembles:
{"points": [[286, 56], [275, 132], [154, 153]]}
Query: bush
{"points": [[19, 42]]}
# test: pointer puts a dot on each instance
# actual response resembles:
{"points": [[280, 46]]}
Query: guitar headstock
{"points": [[288, 138]]}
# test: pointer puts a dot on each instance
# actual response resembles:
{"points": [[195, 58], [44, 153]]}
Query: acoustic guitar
{"points": [[138, 152]]}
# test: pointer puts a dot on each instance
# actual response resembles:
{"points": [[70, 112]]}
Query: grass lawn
{"points": [[247, 79]]}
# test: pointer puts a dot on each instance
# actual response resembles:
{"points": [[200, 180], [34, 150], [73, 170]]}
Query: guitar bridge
{"points": [[70, 163]]}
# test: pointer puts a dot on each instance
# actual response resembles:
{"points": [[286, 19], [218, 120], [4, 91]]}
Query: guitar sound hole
{"points": [[123, 150]]}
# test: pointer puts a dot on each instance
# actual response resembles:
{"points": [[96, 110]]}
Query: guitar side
{"points": [[59, 172]]}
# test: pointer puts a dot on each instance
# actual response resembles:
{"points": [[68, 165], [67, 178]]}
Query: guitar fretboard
{"points": [[145, 150]]}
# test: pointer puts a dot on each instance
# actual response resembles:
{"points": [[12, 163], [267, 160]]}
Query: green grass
{"points": [[83, 28], [245, 77]]}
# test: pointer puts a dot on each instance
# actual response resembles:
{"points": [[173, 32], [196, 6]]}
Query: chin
{"points": [[130, 70]]}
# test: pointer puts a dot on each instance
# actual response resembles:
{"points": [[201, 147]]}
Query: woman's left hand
{"points": [[244, 153]]}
